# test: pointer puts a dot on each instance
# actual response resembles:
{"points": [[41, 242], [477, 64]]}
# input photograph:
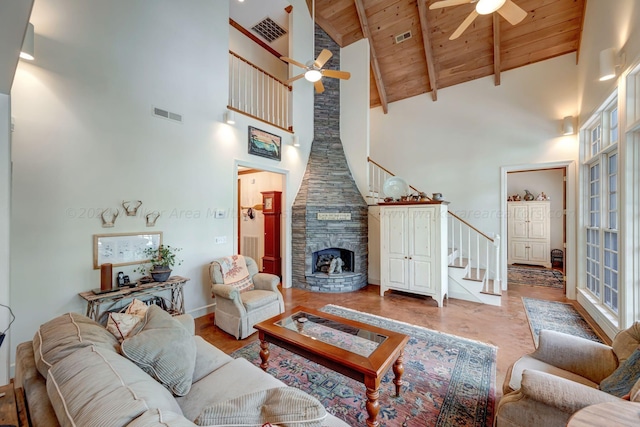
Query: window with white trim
{"points": [[601, 207]]}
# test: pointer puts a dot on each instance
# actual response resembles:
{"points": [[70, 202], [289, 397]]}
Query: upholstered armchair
{"points": [[565, 374], [238, 310]]}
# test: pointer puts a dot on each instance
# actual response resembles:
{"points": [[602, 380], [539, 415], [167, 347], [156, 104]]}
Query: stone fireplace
{"points": [[329, 215]]}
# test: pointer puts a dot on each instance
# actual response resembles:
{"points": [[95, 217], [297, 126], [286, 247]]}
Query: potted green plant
{"points": [[162, 260]]}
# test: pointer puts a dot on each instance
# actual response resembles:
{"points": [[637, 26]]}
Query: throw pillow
{"points": [[121, 324], [620, 382], [65, 334], [156, 417], [288, 405], [137, 308], [164, 349], [98, 387], [235, 273]]}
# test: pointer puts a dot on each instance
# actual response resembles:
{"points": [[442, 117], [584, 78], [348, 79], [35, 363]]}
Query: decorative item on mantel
{"points": [[395, 188], [528, 196], [162, 259]]}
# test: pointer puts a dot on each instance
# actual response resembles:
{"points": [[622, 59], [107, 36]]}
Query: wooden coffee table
{"points": [[358, 350]]}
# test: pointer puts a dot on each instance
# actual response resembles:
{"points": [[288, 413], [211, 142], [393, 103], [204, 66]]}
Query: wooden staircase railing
{"points": [[479, 249]]}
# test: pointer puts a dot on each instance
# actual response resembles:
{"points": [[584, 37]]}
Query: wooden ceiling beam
{"points": [[375, 67], [428, 52], [496, 49], [326, 25]]}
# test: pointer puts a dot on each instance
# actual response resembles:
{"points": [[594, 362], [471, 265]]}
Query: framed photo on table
{"points": [[264, 144], [123, 248]]}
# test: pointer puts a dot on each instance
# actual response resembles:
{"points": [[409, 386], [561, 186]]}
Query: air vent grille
{"points": [[403, 37], [159, 112], [269, 30]]}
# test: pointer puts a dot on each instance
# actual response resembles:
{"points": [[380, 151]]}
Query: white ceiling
{"points": [[14, 18], [249, 12]]}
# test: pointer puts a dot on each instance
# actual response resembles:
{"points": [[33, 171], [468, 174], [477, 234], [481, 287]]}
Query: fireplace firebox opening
{"points": [[333, 261]]}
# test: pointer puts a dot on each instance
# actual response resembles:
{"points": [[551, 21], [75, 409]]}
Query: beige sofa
{"points": [[75, 373], [565, 374]]}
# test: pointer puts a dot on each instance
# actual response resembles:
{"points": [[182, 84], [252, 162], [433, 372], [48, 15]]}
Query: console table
{"points": [[174, 284]]}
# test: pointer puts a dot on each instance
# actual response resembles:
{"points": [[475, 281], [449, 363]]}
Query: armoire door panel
{"points": [[421, 275], [421, 238], [397, 269]]}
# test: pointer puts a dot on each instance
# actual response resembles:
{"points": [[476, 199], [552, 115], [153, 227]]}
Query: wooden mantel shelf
{"points": [[413, 202]]}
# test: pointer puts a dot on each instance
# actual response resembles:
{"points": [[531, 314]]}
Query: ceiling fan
{"points": [[313, 70], [506, 8]]}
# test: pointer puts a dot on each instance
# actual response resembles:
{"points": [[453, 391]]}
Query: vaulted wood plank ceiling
{"points": [[428, 60]]}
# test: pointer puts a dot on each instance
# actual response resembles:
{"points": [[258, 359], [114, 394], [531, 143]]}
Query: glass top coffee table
{"points": [[358, 350]]}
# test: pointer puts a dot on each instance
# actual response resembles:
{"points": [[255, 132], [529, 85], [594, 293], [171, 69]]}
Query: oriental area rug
{"points": [[534, 276], [448, 380], [557, 316]]}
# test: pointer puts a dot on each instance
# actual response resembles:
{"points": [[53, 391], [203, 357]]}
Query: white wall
{"points": [[551, 183], [254, 53], [354, 110], [5, 214], [606, 24], [85, 140], [458, 144]]}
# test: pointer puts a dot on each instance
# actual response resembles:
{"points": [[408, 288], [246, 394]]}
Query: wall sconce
{"points": [[230, 117], [608, 64], [295, 141], [27, 51], [567, 126]]}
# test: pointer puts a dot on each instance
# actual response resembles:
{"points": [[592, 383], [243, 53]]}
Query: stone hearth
{"points": [[329, 212]]}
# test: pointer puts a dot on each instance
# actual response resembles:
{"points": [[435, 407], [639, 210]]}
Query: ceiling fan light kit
{"points": [[485, 7], [313, 69], [510, 11], [313, 75]]}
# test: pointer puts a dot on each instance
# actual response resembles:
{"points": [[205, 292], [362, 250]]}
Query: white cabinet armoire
{"points": [[528, 233], [413, 252]]}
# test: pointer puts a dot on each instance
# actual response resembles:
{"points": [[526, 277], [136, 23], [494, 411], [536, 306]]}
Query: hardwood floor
{"points": [[505, 327]]}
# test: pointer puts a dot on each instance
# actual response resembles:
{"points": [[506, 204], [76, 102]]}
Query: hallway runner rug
{"points": [[448, 380], [534, 276], [557, 316]]}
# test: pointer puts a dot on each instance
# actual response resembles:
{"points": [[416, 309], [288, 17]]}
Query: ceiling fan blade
{"points": [[324, 56], [293, 61], [337, 74], [293, 79], [512, 12], [319, 86], [447, 3], [473, 15]]}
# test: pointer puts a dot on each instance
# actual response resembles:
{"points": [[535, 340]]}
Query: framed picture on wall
{"points": [[264, 144], [123, 248]]}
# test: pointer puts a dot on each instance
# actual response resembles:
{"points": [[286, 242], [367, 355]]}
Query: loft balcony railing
{"points": [[258, 94]]}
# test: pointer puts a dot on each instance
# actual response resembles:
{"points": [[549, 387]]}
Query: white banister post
{"points": [[460, 238], [486, 263], [477, 255], [469, 248], [496, 243]]}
